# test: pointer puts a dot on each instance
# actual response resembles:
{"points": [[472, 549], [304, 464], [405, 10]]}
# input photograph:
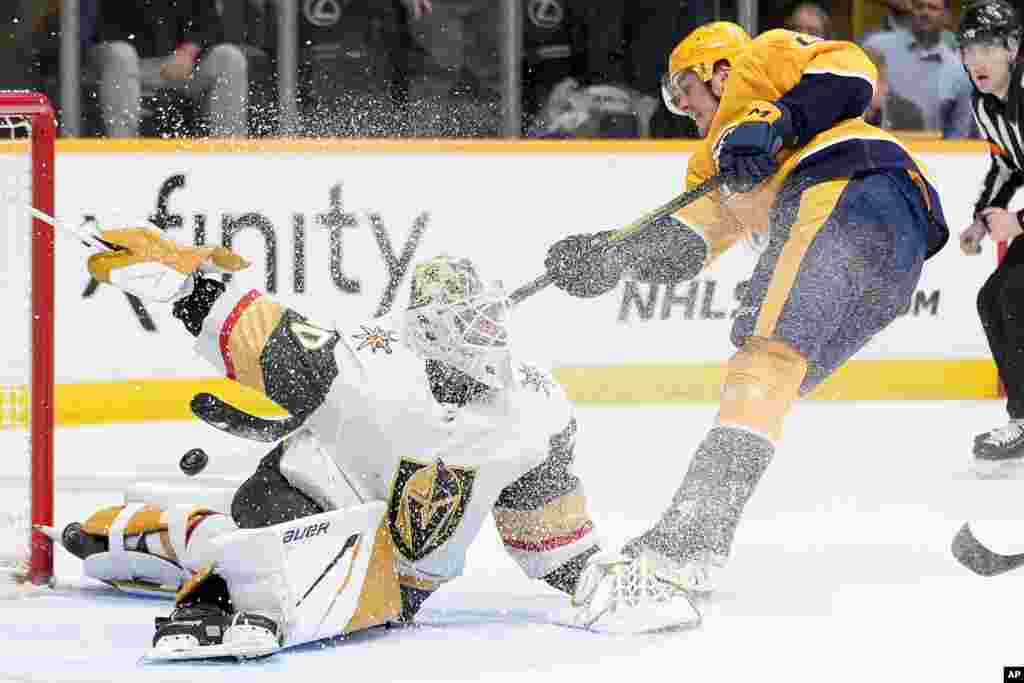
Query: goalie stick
{"points": [[973, 554], [86, 237], [219, 413]]}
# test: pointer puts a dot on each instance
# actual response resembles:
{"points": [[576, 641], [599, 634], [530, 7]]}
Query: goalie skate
{"points": [[207, 632], [623, 595]]}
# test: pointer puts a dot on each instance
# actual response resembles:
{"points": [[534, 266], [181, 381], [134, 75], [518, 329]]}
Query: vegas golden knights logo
{"points": [[428, 501]]}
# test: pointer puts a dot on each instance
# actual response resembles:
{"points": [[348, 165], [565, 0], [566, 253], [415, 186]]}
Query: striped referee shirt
{"points": [[1000, 124]]}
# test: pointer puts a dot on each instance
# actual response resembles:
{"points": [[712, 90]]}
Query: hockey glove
{"points": [[585, 265], [154, 268], [747, 153]]}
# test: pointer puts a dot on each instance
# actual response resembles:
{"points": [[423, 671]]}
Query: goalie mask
{"points": [[456, 318]]}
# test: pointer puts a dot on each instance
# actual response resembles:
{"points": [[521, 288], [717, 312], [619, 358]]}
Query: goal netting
{"points": [[27, 135]]}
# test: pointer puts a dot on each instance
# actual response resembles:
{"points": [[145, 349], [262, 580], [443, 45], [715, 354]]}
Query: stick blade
{"points": [[973, 554]]}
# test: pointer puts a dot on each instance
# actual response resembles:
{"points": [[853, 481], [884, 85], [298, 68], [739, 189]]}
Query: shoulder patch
{"points": [[375, 338], [532, 377]]}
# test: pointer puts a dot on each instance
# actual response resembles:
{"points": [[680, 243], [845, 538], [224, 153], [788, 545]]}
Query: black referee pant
{"points": [[1001, 308]]}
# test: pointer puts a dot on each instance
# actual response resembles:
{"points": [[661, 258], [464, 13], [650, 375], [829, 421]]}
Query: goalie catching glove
{"points": [[154, 268]]}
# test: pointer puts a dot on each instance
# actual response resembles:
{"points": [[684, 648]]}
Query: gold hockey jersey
{"points": [[774, 64]]}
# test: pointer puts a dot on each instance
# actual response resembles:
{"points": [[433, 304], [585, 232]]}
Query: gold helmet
{"points": [[699, 52]]}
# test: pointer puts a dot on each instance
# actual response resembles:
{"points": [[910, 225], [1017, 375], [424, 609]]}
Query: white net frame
{"points": [[27, 141]]}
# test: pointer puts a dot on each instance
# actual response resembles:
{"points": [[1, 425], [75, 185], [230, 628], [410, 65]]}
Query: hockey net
{"points": [[27, 136]]}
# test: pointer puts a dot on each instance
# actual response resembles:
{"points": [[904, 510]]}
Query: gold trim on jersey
{"points": [[563, 515], [248, 337]]}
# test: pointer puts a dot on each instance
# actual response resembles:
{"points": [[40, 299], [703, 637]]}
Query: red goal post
{"points": [[29, 130]]}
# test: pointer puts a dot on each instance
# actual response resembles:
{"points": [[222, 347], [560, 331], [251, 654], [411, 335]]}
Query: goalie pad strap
{"points": [[118, 520]]}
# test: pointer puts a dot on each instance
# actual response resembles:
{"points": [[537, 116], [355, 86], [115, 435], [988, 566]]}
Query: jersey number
{"points": [[312, 338]]}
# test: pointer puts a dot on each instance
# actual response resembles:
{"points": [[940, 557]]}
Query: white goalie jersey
{"points": [[440, 469]]}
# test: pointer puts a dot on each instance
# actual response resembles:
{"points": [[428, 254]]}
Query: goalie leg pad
{"points": [[318, 577], [149, 549], [267, 498], [341, 569], [309, 469]]}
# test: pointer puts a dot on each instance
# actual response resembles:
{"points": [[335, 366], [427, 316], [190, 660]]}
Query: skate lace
{"points": [[1007, 434]]}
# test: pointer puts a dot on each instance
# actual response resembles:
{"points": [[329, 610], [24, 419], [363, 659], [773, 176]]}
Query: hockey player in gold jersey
{"points": [[845, 218]]}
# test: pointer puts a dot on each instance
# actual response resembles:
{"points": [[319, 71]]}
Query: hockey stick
{"points": [[973, 554], [632, 231], [88, 238]]}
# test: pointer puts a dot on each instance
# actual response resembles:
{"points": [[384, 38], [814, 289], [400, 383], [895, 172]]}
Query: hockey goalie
{"points": [[415, 428]]}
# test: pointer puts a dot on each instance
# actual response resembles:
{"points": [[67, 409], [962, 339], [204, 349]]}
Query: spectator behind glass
{"points": [[926, 71], [168, 45], [810, 18], [454, 78], [887, 109], [348, 66], [571, 45], [597, 111]]}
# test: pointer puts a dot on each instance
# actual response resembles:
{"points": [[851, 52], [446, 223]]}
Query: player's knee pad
{"points": [[150, 546], [762, 382]]}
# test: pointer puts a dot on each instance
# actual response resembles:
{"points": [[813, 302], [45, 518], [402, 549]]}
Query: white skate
{"points": [[618, 594]]}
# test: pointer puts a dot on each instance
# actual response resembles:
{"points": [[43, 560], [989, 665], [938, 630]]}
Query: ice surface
{"points": [[841, 569]]}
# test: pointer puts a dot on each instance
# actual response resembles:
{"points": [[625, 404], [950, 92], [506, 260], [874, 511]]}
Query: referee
{"points": [[989, 38]]}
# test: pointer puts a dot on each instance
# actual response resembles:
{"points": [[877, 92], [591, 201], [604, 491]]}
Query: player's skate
{"points": [[1000, 452], [619, 594]]}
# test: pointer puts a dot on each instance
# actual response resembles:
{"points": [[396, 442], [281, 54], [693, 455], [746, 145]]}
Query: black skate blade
{"points": [[972, 553]]}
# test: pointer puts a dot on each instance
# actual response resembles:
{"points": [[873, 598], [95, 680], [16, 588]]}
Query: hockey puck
{"points": [[194, 462]]}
